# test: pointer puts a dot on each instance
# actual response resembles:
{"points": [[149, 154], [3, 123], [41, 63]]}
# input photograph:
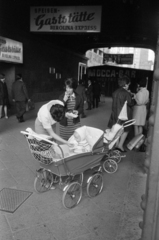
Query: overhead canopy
{"points": [[123, 23]]}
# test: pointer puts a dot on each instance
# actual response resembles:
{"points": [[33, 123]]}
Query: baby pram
{"points": [[111, 139], [112, 135], [67, 172]]}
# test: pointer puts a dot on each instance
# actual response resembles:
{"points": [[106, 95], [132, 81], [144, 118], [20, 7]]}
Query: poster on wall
{"points": [[118, 58], [75, 19], [10, 50]]}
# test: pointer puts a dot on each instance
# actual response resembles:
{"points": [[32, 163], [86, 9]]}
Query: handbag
{"points": [[31, 105], [136, 142]]}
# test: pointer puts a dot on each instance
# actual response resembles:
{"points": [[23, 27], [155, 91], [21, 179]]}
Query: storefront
{"points": [[108, 77], [11, 54], [43, 65]]}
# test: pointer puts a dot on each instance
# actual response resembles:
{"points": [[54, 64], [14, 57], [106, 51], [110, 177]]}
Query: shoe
{"points": [[84, 116], [88, 109], [120, 150], [21, 119], [6, 117], [52, 187]]}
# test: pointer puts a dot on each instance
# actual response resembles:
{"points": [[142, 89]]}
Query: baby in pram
{"points": [[78, 139]]}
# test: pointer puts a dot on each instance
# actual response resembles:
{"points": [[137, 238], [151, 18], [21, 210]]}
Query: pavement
{"points": [[112, 215]]}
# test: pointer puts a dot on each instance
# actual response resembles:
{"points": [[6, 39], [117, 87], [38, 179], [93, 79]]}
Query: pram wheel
{"points": [[43, 181], [72, 195], [110, 166], [115, 155], [94, 185]]}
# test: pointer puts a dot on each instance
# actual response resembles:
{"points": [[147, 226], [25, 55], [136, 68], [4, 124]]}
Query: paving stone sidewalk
{"points": [[112, 215]]}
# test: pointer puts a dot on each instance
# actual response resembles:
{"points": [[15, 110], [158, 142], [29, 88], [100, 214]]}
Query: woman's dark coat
{"points": [[119, 97]]}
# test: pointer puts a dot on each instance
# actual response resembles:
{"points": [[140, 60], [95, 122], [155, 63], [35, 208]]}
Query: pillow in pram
{"points": [[110, 133]]}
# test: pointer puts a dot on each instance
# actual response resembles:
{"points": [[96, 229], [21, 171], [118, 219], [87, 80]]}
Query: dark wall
{"points": [[9, 71], [38, 57]]}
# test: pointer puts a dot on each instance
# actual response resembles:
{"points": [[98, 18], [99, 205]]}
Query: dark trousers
{"points": [[20, 108], [95, 101], [89, 102], [82, 113]]}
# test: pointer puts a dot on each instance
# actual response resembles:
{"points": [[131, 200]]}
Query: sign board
{"points": [[108, 77], [118, 58], [10, 50], [75, 19], [110, 73]]}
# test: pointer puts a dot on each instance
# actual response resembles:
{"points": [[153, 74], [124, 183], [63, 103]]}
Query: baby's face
{"points": [[77, 137]]}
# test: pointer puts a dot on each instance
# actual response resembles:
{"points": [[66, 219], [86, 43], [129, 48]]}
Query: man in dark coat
{"points": [[81, 91], [20, 96], [4, 102], [89, 94]]}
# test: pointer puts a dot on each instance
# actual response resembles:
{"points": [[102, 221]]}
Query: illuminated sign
{"points": [[74, 19], [118, 58], [111, 72], [10, 50]]}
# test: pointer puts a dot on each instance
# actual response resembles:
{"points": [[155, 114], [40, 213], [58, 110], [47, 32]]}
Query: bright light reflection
{"points": [[143, 58]]}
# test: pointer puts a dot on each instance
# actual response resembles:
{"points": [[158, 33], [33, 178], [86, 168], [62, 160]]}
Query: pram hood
{"points": [[110, 133], [82, 132]]}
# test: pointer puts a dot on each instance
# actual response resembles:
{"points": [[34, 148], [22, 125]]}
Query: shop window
{"points": [[81, 70]]}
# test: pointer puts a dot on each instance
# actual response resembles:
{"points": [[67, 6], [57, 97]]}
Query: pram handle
{"points": [[36, 136], [129, 123]]}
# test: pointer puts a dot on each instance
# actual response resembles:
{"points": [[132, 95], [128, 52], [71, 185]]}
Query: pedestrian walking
{"points": [[20, 97], [4, 101], [81, 91]]}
